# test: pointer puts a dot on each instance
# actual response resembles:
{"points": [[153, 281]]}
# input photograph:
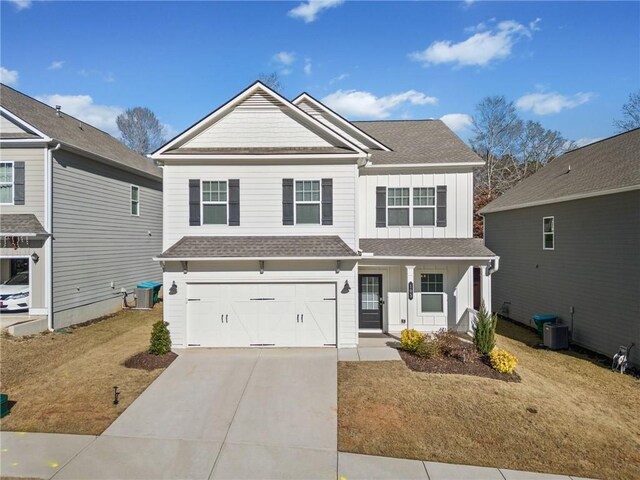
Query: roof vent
{"points": [[58, 110]]}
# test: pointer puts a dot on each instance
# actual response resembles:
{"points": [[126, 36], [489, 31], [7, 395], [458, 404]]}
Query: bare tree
{"points": [[630, 114], [140, 130], [272, 80], [537, 146]]}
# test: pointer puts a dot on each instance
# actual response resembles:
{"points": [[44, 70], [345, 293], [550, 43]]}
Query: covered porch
{"points": [[424, 284]]}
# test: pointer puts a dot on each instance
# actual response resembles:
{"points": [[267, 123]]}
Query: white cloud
{"points": [[307, 67], [309, 10], [21, 4], [480, 49], [581, 142], [366, 105], [83, 108], [56, 65], [457, 121], [8, 77], [551, 102], [285, 58]]}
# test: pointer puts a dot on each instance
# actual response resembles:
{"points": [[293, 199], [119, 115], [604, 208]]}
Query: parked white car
{"points": [[14, 294]]}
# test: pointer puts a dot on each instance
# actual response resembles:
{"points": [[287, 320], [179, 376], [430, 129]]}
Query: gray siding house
{"points": [[569, 242], [78, 210]]}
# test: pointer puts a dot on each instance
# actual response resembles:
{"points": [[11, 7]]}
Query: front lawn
{"points": [[568, 414], [63, 383]]}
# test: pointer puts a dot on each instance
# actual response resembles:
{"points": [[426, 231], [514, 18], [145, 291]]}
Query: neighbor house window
{"points": [[548, 233], [432, 292], [6, 182], [135, 200], [214, 203], [424, 206], [398, 207], [308, 201]]}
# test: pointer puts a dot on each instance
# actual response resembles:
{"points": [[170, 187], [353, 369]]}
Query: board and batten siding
{"points": [[175, 305], [260, 200], [96, 239], [594, 267], [459, 203], [34, 178]]}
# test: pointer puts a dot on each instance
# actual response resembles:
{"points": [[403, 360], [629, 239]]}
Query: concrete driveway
{"points": [[234, 413]]}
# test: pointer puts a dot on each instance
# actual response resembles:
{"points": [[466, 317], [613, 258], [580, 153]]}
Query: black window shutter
{"points": [[194, 202], [234, 202], [18, 183], [381, 206], [441, 208], [287, 201], [327, 201]]}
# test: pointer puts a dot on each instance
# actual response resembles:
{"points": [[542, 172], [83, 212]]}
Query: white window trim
{"points": [[399, 207], [552, 233], [208, 202], [13, 183], [131, 187], [306, 202], [411, 208], [445, 297]]}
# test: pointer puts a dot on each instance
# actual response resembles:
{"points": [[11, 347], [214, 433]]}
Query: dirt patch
{"points": [[474, 364], [148, 361]]}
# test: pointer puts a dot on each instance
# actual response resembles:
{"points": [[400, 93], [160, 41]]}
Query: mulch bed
{"points": [[148, 361], [475, 365]]}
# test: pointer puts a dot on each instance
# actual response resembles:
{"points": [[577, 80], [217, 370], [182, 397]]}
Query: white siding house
{"points": [[287, 225]]}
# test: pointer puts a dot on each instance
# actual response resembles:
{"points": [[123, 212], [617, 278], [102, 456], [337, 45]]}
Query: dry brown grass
{"points": [[64, 383], [587, 421]]}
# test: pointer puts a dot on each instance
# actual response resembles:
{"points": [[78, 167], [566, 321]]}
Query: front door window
{"points": [[370, 301]]}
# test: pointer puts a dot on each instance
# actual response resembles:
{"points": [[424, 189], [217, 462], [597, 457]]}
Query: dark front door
{"points": [[370, 301]]}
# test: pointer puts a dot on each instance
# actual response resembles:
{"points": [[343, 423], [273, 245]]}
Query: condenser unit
{"points": [[144, 298], [556, 336]]}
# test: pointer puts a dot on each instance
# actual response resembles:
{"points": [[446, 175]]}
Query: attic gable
{"points": [[12, 129]]}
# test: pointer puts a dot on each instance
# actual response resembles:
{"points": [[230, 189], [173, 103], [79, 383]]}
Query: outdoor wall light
{"points": [[173, 289], [35, 257], [347, 287]]}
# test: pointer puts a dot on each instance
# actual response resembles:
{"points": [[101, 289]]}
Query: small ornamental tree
{"points": [[160, 343], [484, 334]]}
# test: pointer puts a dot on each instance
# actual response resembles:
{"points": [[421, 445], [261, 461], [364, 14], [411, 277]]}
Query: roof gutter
{"points": [[366, 256], [355, 258], [423, 165], [307, 156], [48, 246]]}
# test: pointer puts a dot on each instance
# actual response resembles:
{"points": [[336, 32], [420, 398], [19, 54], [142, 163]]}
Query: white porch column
{"points": [[485, 287], [411, 303]]}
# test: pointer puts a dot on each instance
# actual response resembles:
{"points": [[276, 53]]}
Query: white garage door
{"points": [[271, 314]]}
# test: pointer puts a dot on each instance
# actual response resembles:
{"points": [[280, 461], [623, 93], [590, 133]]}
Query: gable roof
{"points": [[260, 96], [74, 133], [417, 142], [608, 166]]}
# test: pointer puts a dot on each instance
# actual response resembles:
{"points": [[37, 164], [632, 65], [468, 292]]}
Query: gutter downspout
{"points": [[49, 228]]}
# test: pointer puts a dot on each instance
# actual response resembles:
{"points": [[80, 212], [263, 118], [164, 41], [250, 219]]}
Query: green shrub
{"points": [[410, 339], [484, 334], [160, 342], [429, 348]]}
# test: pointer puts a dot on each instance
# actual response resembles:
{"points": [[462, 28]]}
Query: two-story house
{"points": [[80, 217], [287, 225]]}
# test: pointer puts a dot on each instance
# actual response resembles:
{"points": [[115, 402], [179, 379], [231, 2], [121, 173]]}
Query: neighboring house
{"points": [[287, 225], [79, 211], [569, 243]]}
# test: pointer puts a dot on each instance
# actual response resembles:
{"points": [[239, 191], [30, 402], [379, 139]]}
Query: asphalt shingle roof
{"points": [[73, 132], [329, 246], [417, 141], [20, 223], [609, 164], [425, 247]]}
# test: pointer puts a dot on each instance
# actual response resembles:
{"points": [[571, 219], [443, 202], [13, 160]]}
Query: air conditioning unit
{"points": [[144, 297], [556, 336]]}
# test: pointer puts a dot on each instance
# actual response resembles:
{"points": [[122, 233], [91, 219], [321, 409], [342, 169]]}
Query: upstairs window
{"points": [[214, 203], [398, 207], [308, 201], [424, 206], [135, 200], [6, 183], [432, 293], [548, 233]]}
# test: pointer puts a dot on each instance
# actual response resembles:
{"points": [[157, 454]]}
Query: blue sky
{"points": [[570, 65]]}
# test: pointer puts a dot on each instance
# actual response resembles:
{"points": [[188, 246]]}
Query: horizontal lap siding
{"points": [[459, 204], [33, 159], [595, 267], [260, 200], [96, 239], [7, 126]]}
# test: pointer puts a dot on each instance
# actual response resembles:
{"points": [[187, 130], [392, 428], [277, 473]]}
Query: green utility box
{"points": [[540, 320], [4, 404], [155, 286]]}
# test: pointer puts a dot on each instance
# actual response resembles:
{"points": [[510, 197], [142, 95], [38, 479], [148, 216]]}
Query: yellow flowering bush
{"points": [[503, 361], [411, 339]]}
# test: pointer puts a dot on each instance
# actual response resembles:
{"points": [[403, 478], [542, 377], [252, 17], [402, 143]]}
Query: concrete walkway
{"points": [[372, 347]]}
